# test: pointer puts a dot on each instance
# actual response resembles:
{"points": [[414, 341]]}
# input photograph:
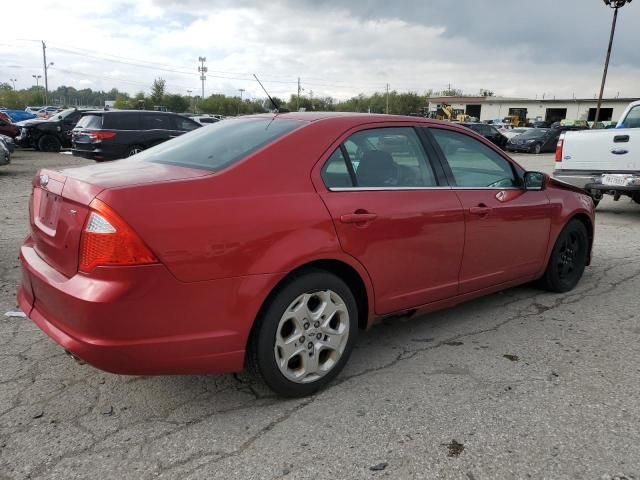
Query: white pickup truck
{"points": [[603, 162]]}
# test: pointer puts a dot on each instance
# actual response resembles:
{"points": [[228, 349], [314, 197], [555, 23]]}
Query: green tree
{"points": [[158, 91], [176, 103]]}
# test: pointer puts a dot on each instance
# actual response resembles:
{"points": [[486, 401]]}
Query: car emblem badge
{"points": [[44, 180]]}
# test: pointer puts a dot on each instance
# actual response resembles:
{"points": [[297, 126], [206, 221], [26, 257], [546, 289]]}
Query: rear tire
{"points": [[568, 259], [49, 143], [134, 150], [536, 149], [304, 335]]}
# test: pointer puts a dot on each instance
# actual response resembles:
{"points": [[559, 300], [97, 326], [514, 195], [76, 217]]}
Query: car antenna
{"points": [[277, 107]]}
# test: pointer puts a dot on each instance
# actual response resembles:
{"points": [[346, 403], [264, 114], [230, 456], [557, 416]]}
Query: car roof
{"points": [[346, 117], [102, 112]]}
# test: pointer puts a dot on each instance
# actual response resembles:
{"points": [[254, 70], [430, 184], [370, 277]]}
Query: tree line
{"points": [[394, 102]]}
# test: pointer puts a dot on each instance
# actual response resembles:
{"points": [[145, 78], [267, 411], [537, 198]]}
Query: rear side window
{"points": [[90, 121], [633, 118], [384, 158], [122, 121], [221, 144], [152, 121]]}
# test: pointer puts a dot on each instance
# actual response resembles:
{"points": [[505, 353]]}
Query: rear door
{"points": [[158, 128], [393, 212], [507, 227]]}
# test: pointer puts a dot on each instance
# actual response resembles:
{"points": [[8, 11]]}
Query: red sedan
{"points": [[269, 241]]}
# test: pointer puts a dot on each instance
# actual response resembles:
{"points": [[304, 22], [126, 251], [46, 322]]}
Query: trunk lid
{"points": [[60, 201]]}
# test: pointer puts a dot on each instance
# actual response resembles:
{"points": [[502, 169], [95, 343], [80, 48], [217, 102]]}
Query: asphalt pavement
{"points": [[519, 384]]}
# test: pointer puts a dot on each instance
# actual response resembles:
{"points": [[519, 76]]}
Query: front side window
{"points": [[472, 163], [381, 158], [221, 144], [186, 124]]}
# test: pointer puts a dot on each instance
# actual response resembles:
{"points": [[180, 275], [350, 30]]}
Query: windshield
{"points": [[534, 133], [220, 144]]}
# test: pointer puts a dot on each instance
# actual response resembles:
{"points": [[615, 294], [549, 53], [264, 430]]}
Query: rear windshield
{"points": [[220, 144], [90, 121], [534, 133]]}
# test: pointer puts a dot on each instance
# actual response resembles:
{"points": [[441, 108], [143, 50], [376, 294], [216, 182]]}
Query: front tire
{"points": [[536, 149], [49, 143], [304, 335], [568, 259]]}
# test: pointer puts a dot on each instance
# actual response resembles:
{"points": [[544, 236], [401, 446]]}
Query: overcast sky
{"points": [[340, 48]]}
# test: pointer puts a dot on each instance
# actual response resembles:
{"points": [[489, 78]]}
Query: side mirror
{"points": [[534, 181]]}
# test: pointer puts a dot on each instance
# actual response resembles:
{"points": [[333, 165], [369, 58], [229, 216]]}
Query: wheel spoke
{"points": [[322, 318], [311, 364], [289, 348]]}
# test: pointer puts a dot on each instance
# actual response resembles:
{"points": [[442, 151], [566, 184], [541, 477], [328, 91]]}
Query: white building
{"points": [[550, 110]]}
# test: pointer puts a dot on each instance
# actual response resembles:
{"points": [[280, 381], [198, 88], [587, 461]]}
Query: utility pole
{"points": [[241, 90], [203, 72], [311, 98], [37, 77], [299, 90], [387, 99], [616, 5], [46, 67]]}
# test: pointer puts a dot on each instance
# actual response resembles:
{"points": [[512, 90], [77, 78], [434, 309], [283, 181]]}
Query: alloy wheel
{"points": [[311, 336], [567, 255]]}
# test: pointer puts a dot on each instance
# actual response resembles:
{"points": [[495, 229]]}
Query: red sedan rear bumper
{"points": [[141, 320]]}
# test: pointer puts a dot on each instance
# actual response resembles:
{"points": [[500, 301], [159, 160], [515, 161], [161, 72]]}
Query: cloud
{"points": [[338, 48]]}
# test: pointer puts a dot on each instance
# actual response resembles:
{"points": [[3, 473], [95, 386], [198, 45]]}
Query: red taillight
{"points": [[559, 148], [108, 241], [101, 135]]}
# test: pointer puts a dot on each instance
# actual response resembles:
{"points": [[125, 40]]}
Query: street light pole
{"points": [[241, 90], [615, 5], [13, 81]]}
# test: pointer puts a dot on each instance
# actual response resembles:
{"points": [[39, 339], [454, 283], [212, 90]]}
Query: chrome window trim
{"points": [[382, 189], [395, 189]]}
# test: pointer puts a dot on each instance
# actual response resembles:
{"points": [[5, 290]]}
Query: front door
{"points": [[507, 227], [394, 215]]}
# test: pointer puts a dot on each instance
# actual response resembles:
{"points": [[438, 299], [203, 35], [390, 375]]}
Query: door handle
{"points": [[619, 151], [358, 218], [481, 210], [621, 139]]}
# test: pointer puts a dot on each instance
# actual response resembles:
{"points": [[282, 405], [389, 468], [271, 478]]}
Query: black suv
{"points": [[113, 134], [49, 135]]}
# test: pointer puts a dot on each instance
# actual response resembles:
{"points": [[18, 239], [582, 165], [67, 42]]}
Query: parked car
{"points": [[514, 132], [109, 135], [49, 135], [18, 115], [8, 143], [33, 110], [206, 119], [535, 140], [5, 154], [7, 127], [603, 161], [489, 132], [271, 240]]}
